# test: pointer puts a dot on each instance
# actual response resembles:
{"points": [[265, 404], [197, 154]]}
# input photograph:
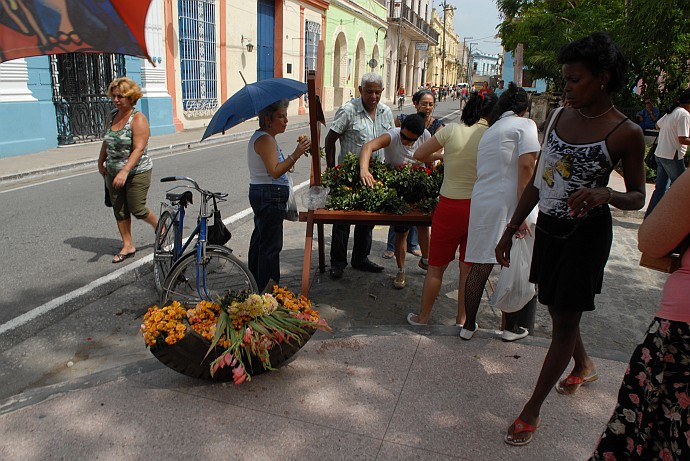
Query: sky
{"points": [[478, 19]]}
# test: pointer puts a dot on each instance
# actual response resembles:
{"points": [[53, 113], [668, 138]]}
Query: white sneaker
{"points": [[400, 280]]}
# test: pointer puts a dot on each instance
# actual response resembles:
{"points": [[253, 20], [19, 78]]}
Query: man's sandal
{"points": [[572, 383], [520, 427]]}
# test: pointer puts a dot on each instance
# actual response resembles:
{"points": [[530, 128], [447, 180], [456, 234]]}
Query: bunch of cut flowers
{"points": [[240, 326], [396, 189]]}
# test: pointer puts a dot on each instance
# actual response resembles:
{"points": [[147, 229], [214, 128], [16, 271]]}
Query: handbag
{"points": [[650, 158], [291, 213], [669, 263], [218, 234]]}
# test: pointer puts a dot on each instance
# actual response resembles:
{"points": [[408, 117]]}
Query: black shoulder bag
{"points": [[218, 234]]}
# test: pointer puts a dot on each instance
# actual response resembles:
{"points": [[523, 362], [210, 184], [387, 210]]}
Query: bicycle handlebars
{"points": [[218, 195]]}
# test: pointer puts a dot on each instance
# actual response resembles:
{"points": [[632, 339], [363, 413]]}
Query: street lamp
{"points": [[446, 7]]}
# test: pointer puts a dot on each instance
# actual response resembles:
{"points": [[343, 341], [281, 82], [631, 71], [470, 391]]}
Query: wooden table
{"points": [[322, 216]]}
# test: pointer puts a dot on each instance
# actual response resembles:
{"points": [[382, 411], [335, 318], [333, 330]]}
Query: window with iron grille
{"points": [[197, 19]]}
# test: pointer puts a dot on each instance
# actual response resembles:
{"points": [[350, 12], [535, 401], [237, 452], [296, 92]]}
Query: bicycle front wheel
{"points": [[163, 249], [190, 282]]}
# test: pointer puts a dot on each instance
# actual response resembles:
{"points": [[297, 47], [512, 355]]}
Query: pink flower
{"points": [[666, 455], [668, 358], [645, 355], [247, 336], [664, 327], [639, 449], [642, 378], [238, 374], [683, 399], [609, 456], [634, 398], [630, 445]]}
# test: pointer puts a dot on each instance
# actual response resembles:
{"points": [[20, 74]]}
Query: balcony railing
{"points": [[411, 18]]}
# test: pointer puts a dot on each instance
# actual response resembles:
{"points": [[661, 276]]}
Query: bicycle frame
{"points": [[199, 233]]}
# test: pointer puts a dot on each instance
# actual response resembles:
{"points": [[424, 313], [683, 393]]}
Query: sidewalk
{"points": [[85, 387]]}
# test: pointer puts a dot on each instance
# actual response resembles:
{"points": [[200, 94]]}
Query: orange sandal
{"points": [[520, 427], [572, 383]]}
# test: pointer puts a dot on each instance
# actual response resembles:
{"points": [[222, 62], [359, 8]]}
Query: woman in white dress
{"points": [[505, 163]]}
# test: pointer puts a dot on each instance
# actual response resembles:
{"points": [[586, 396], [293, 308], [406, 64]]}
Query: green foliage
{"points": [[396, 190], [655, 37]]}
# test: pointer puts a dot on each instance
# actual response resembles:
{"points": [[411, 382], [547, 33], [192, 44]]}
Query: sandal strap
{"points": [[573, 380], [519, 426]]}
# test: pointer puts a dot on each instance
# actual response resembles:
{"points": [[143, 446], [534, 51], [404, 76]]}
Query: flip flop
{"points": [[521, 427], [118, 258], [572, 383]]}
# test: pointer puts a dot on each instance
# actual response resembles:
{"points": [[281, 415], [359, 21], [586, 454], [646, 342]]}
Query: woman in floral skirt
{"points": [[652, 416]]}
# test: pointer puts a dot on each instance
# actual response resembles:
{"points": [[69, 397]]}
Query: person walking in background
{"points": [[485, 88], [499, 91], [505, 164], [674, 138], [125, 164], [648, 116], [269, 189], [355, 123], [574, 228], [399, 145], [451, 217], [424, 102], [652, 416]]}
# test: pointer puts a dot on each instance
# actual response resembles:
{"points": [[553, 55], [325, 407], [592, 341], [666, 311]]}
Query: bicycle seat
{"points": [[184, 198]]}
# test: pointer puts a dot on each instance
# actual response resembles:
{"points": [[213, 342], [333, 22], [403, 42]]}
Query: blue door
{"points": [[265, 39]]}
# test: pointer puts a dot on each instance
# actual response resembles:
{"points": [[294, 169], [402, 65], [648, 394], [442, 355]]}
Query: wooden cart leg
{"points": [[322, 244], [306, 264]]}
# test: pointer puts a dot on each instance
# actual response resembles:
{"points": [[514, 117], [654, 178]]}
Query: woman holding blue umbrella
{"points": [[269, 189]]}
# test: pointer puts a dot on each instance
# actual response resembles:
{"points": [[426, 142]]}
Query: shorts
{"points": [[131, 198], [569, 258], [449, 225]]}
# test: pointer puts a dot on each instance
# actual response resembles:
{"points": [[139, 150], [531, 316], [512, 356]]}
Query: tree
{"points": [[655, 36]]}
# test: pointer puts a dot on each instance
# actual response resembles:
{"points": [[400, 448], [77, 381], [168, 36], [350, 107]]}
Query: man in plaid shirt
{"points": [[357, 122]]}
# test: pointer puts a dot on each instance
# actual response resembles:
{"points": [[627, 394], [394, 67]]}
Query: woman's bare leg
{"points": [[563, 344], [432, 287]]}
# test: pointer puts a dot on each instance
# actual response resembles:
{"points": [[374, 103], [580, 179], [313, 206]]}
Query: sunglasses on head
{"points": [[407, 138]]}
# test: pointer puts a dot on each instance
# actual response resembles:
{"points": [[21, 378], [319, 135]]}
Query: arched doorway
{"points": [[339, 69]]}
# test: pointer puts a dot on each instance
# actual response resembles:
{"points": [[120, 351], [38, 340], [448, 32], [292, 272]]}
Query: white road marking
{"points": [[57, 302]]}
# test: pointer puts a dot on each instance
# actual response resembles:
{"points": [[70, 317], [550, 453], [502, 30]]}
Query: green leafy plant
{"points": [[396, 190]]}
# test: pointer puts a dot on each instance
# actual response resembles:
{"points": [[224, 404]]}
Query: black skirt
{"points": [[569, 259]]}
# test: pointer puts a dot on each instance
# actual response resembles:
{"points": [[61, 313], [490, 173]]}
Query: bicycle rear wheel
{"points": [[163, 249], [219, 272]]}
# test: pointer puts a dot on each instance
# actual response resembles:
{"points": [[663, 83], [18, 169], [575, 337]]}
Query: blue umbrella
{"points": [[248, 101]]}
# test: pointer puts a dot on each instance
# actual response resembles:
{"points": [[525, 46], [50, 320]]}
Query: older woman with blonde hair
{"points": [[125, 163]]}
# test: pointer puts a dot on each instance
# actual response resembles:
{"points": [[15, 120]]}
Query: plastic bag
{"points": [[291, 213], [315, 197], [513, 289]]}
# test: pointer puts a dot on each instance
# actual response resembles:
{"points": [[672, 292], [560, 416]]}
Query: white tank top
{"points": [[257, 170]]}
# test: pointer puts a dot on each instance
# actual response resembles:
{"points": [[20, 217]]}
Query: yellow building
{"points": [[443, 66]]}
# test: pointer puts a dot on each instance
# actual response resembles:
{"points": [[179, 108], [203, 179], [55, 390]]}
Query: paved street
{"points": [[79, 384]]}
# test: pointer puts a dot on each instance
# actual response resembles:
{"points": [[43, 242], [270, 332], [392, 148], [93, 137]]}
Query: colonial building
{"points": [[203, 51], [409, 39], [444, 63]]}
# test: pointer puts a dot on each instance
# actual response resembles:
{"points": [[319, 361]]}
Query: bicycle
{"points": [[203, 273], [401, 101]]}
